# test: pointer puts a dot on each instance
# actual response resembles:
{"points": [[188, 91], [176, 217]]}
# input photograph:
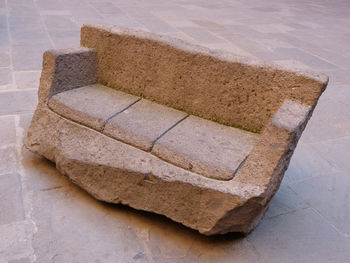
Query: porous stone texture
{"points": [[91, 105], [290, 115], [205, 147], [143, 123], [235, 91], [198, 145], [205, 83], [119, 173]]}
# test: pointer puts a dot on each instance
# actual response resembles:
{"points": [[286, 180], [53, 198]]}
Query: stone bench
{"points": [[202, 146], [202, 137]]}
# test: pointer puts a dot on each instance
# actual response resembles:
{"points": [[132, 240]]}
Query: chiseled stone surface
{"points": [[205, 147], [142, 123], [290, 115], [91, 105], [119, 173], [64, 223], [115, 172], [216, 85]]}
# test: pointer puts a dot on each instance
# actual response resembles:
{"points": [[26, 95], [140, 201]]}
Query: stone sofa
{"points": [[202, 137]]}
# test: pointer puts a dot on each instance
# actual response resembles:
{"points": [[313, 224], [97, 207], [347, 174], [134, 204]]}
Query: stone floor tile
{"points": [[25, 22], [25, 9], [334, 201], [7, 130], [300, 44], [292, 64], [65, 38], [205, 147], [106, 8], [272, 28], [30, 36], [335, 151], [229, 47], [28, 56], [189, 247], [12, 102], [39, 173], [146, 237], [5, 60], [4, 39], [85, 13], [16, 245], [244, 43], [306, 58], [71, 4], [244, 30], [22, 260], [333, 57], [5, 76], [8, 159], [91, 105], [60, 22], [301, 236], [285, 201], [143, 123], [60, 216], [155, 25], [24, 123], [200, 35], [338, 77], [306, 162], [3, 22], [27, 79], [11, 199], [339, 93], [8, 87], [49, 5], [55, 12], [123, 20], [212, 26], [20, 2], [330, 120]]}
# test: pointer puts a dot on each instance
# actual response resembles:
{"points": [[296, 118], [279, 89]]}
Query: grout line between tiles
{"points": [[239, 167], [115, 114], [171, 127]]}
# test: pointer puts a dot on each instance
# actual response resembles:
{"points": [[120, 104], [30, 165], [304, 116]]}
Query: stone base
{"points": [[115, 172]]}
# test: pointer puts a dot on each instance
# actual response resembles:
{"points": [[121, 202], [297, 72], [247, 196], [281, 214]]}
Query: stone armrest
{"points": [[271, 155], [66, 69]]}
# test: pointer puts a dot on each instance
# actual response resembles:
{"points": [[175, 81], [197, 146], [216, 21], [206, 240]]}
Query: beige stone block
{"points": [[143, 123], [205, 147], [91, 105]]}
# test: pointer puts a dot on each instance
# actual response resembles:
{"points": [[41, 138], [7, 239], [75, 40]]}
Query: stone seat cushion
{"points": [[91, 105], [201, 146]]}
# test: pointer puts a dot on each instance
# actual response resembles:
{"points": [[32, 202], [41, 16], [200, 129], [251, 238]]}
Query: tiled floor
{"points": [[44, 218]]}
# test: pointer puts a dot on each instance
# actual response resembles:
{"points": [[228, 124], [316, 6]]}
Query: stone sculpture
{"points": [[202, 137]]}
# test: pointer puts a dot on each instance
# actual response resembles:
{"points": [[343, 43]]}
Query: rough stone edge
{"points": [[219, 54], [231, 195], [265, 167], [65, 69], [290, 115]]}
